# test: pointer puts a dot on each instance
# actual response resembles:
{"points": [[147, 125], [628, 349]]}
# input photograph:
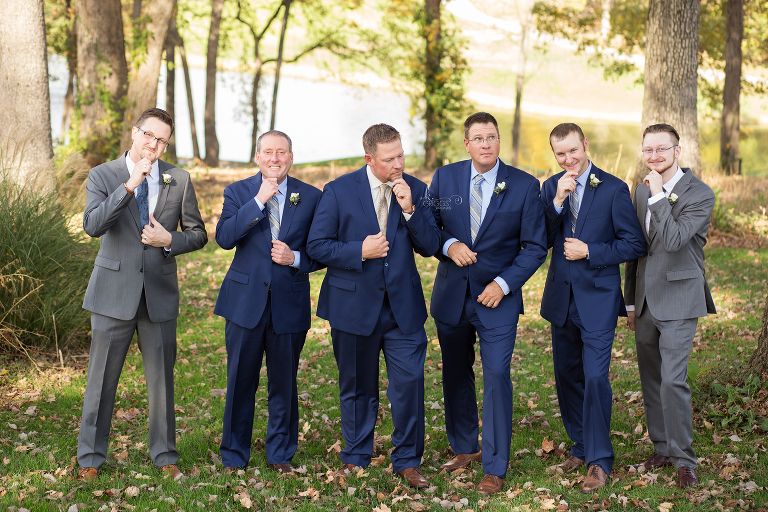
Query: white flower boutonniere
{"points": [[294, 199], [501, 187], [593, 181], [672, 199], [166, 179]]}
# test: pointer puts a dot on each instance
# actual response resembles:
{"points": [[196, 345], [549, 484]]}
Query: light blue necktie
{"points": [[476, 207], [574, 200], [274, 217]]}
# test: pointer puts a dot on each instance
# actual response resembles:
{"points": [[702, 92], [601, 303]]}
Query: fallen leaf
{"points": [[219, 392], [131, 491], [666, 506], [335, 447], [734, 438], [547, 445], [31, 410]]}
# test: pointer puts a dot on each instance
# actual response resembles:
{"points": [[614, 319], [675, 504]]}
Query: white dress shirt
{"points": [[375, 183], [282, 192], [487, 186], [153, 181], [581, 185]]}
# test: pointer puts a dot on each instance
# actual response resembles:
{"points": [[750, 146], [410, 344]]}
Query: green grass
{"points": [[38, 446]]}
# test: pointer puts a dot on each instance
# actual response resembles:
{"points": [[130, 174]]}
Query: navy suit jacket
{"points": [[511, 242], [353, 290], [608, 224], [243, 294]]}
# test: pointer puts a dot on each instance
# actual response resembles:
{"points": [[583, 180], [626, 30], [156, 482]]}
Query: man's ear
{"points": [[368, 159]]}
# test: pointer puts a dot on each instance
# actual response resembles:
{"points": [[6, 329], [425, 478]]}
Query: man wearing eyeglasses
{"points": [[145, 212], [492, 241], [592, 229], [666, 293]]}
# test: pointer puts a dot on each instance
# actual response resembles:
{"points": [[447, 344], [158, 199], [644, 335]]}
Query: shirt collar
{"points": [[668, 186], [154, 172], [490, 176], [582, 180], [283, 187], [373, 181]]}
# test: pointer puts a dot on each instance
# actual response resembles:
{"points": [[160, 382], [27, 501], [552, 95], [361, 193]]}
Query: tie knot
{"points": [[479, 179]]}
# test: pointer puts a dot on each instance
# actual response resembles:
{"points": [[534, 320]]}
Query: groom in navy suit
{"points": [[492, 241], [592, 228], [366, 228], [265, 300]]}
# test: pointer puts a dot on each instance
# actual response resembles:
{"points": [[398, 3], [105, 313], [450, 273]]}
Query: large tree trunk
{"points": [[25, 104], [170, 80], [729, 127], [433, 55], [211, 141], [102, 77], [190, 103], [671, 62], [759, 361], [142, 89], [287, 4]]}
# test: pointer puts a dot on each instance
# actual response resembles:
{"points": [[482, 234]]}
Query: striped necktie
{"points": [[476, 207], [274, 217], [574, 200], [382, 210]]}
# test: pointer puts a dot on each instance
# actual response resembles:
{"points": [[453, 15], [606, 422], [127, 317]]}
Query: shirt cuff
{"points": [[630, 308], [261, 206], [296, 259], [558, 209], [655, 199], [503, 284], [408, 216], [447, 244]]}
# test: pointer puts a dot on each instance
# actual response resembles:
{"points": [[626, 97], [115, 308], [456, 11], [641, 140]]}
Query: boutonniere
{"points": [[166, 179], [501, 187], [672, 198], [294, 199], [593, 181]]}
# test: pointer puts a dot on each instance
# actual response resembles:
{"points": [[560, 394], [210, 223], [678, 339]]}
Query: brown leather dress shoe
{"points": [[687, 477], [461, 461], [230, 470], [87, 474], [414, 478], [654, 461], [596, 478], [571, 464], [346, 469], [284, 468], [490, 484], [171, 471]]}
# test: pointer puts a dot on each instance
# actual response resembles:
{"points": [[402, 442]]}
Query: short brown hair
{"points": [[378, 134], [663, 128], [159, 114], [479, 118], [563, 130]]}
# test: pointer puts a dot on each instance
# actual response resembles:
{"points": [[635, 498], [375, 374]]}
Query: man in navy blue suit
{"points": [[492, 241], [366, 227], [592, 228], [265, 300]]}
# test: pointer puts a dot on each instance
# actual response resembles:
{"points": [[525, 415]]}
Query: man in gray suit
{"points": [[666, 293], [136, 205]]}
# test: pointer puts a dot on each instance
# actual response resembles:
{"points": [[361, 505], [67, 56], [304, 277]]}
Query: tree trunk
{"points": [[102, 77], [519, 85], [729, 127], [137, 9], [170, 81], [605, 22], [25, 103], [211, 141], [287, 4], [255, 106], [758, 363], [69, 98], [671, 61], [433, 55], [188, 87], [142, 89]]}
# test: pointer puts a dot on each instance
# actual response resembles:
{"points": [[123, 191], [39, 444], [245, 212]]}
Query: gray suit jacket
{"points": [[670, 279], [124, 265]]}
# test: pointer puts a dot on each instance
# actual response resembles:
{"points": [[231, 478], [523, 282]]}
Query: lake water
{"points": [[326, 121]]}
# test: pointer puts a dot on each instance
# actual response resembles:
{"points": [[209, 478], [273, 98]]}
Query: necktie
{"points": [[382, 210], [476, 207], [142, 201], [574, 200], [274, 217]]}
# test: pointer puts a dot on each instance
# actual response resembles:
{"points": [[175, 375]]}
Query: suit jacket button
{"points": [[566, 281], [145, 247], [266, 283], [141, 270], [386, 264], [464, 277], [381, 288], [650, 254]]}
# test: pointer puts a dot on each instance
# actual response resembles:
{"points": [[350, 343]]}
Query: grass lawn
{"points": [[40, 415]]}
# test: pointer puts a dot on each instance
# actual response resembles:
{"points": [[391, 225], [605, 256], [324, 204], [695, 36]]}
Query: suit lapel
{"points": [[288, 209], [366, 200], [463, 176], [586, 202], [254, 186], [682, 185], [493, 206], [642, 205], [393, 220], [162, 195]]}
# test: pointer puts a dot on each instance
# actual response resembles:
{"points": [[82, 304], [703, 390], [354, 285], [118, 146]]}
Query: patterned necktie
{"points": [[274, 217], [142, 201], [574, 200], [382, 210], [476, 207]]}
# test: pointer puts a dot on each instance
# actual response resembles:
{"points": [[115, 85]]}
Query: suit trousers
{"points": [[245, 352], [357, 358], [663, 349], [582, 361], [461, 419], [110, 339]]}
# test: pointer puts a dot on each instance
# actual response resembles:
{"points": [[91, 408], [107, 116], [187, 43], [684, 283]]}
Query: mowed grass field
{"points": [[41, 407]]}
